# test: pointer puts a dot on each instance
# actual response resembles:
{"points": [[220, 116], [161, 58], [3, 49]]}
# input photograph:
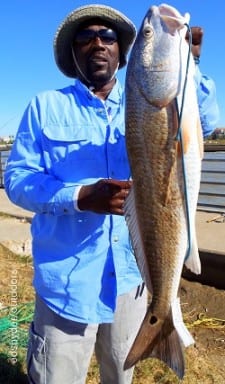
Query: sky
{"points": [[27, 66]]}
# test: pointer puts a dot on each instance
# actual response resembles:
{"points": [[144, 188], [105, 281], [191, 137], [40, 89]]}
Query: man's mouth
{"points": [[98, 60]]}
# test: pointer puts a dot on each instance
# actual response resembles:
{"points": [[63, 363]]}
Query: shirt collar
{"points": [[115, 95]]}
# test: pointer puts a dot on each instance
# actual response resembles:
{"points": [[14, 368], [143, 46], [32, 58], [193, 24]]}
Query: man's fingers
{"points": [[197, 35]]}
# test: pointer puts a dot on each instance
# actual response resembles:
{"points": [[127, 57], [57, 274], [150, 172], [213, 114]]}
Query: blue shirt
{"points": [[208, 107], [82, 260]]}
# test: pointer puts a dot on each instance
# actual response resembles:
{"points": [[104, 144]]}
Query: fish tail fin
{"points": [[170, 351], [170, 345], [164, 341]]}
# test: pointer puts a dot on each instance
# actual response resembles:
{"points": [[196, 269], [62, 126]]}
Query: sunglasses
{"points": [[107, 36]]}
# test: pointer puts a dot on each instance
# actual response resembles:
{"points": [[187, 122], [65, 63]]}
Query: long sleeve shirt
{"points": [[207, 101], [82, 260]]}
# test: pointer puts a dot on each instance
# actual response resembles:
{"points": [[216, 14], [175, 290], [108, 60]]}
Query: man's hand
{"points": [[197, 37], [107, 196]]}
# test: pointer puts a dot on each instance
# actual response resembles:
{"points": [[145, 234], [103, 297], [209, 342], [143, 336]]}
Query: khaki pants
{"points": [[60, 350]]}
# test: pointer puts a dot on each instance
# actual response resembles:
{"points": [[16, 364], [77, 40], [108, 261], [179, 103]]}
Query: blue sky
{"points": [[27, 66]]}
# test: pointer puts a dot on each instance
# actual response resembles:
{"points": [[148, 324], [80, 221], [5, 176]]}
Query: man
{"points": [[69, 166]]}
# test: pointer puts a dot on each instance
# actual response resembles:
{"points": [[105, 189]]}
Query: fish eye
{"points": [[148, 32]]}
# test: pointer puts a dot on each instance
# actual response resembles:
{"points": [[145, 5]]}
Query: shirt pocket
{"points": [[66, 148]]}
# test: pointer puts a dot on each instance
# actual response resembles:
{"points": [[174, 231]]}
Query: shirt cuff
{"points": [[75, 198]]}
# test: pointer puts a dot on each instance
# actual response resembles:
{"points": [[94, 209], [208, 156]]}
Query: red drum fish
{"points": [[165, 148]]}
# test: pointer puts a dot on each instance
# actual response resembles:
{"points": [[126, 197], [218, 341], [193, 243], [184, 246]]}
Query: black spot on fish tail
{"points": [[153, 320]]}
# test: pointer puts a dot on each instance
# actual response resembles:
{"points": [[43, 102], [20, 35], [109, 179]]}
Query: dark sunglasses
{"points": [[107, 36]]}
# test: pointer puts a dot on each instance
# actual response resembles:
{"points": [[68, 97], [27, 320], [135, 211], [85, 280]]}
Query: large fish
{"points": [[165, 148]]}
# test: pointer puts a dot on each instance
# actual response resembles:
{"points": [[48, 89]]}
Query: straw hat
{"points": [[64, 36]]}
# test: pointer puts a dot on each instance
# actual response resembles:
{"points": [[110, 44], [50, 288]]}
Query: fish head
{"points": [[157, 56]]}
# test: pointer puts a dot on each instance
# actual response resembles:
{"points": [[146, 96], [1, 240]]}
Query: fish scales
{"points": [[157, 199], [156, 209]]}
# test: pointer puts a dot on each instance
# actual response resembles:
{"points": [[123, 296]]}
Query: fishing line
{"points": [[180, 139]]}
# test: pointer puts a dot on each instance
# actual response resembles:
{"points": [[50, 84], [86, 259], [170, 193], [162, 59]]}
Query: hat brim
{"points": [[64, 36]]}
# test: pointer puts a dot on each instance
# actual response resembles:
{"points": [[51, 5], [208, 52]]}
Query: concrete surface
{"points": [[15, 230], [14, 226], [210, 227]]}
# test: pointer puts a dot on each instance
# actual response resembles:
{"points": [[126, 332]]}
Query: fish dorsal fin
{"points": [[132, 223]]}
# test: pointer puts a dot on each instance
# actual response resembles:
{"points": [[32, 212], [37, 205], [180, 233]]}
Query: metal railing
{"points": [[4, 154], [212, 189]]}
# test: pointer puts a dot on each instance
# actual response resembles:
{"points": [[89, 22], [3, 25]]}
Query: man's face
{"points": [[97, 55]]}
